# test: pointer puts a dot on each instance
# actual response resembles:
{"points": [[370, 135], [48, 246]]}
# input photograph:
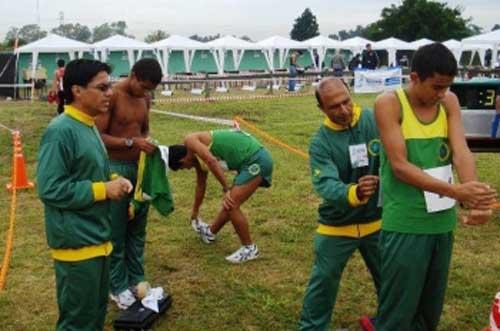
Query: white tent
{"points": [[355, 44], [237, 46], [391, 45], [421, 42], [282, 45], [321, 44], [120, 43], [490, 39], [53, 44], [188, 46], [455, 47]]}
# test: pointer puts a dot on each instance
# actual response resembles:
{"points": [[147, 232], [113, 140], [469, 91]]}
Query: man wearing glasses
{"points": [[125, 132], [74, 185]]}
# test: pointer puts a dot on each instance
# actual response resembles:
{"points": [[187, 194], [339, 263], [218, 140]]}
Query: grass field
{"points": [[209, 294]]}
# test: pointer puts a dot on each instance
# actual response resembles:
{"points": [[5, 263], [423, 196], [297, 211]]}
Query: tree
{"points": [[26, 34], [246, 38], [415, 19], [305, 26], [495, 27], [107, 30], [359, 31], [156, 35], [74, 31], [205, 39]]}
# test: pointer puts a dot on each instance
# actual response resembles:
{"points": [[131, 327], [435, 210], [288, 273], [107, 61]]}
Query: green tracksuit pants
{"points": [[414, 272], [331, 256], [82, 294], [128, 236]]}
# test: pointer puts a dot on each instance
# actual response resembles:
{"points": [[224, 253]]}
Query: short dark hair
{"points": [[368, 45], [148, 70], [80, 72], [433, 59], [61, 63], [175, 154]]}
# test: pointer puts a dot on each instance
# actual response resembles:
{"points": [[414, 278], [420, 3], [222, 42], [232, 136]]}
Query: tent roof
{"points": [[54, 44], [393, 43], [492, 37], [280, 42], [322, 41], [119, 43], [453, 44], [421, 42], [355, 42], [231, 42], [179, 42]]}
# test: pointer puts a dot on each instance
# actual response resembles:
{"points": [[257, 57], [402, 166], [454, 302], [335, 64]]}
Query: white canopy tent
{"points": [[355, 44], [53, 44], [188, 46], [282, 45], [490, 40], [455, 47], [120, 43], [321, 44], [391, 45], [237, 46], [421, 42]]}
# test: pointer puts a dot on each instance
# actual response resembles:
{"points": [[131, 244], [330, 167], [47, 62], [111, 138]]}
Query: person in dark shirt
{"points": [[370, 58]]}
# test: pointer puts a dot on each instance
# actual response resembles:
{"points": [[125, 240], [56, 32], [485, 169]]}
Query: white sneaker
{"points": [[205, 234], [197, 223], [243, 254], [123, 300]]}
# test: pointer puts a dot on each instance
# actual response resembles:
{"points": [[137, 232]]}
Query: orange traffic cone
{"points": [[19, 178]]}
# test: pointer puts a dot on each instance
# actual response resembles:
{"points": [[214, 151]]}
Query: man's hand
{"points": [[118, 188], [144, 145], [367, 185], [228, 202], [477, 217], [475, 195]]}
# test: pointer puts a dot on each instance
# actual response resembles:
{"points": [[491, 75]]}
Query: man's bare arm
{"points": [[194, 143], [199, 194]]}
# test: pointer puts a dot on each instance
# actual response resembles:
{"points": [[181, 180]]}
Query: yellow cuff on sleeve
{"points": [[99, 191], [352, 197]]}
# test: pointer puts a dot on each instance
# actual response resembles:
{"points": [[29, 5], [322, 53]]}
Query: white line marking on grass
{"points": [[221, 121]]}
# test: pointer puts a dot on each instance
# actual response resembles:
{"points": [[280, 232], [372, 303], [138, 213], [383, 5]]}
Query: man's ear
{"points": [[77, 91], [414, 76]]}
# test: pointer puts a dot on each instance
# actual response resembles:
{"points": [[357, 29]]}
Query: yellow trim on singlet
{"points": [[78, 115], [80, 254], [353, 230], [413, 128]]}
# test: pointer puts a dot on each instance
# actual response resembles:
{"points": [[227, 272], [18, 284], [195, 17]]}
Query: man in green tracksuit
{"points": [[344, 159], [422, 136], [218, 151], [74, 185]]}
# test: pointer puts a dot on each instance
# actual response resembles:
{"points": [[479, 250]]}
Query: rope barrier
{"points": [[10, 232], [196, 118], [231, 98], [271, 139]]}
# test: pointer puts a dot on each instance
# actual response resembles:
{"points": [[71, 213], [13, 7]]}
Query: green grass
{"points": [[209, 294]]}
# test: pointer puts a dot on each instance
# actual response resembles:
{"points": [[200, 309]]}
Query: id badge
{"points": [[435, 202], [359, 155]]}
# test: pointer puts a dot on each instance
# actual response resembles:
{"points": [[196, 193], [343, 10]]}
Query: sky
{"points": [[257, 19]]}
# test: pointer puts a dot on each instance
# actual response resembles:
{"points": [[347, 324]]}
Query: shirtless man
{"points": [[125, 132]]}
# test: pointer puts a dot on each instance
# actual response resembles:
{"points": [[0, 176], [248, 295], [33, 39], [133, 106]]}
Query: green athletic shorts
{"points": [[259, 164]]}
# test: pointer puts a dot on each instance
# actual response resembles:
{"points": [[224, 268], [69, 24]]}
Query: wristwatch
{"points": [[129, 142]]}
